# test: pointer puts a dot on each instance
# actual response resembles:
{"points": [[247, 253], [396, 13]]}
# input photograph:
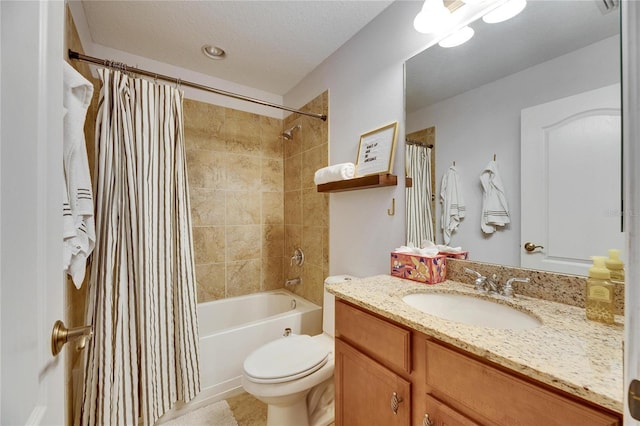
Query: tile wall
{"points": [[306, 211], [253, 200]]}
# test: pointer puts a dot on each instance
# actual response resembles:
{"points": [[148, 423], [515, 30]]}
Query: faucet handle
{"points": [[480, 279], [471, 271], [507, 289]]}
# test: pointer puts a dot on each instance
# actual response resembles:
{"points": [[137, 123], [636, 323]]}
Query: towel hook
{"points": [[494, 157], [454, 163], [392, 210]]}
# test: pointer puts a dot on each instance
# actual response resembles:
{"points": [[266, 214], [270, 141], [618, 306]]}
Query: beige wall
{"points": [[236, 172], [253, 200], [306, 212]]}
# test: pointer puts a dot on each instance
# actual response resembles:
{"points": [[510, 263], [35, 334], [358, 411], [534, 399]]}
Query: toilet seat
{"points": [[285, 359]]}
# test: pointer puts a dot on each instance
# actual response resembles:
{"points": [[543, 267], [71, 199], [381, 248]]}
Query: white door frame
{"points": [[631, 147]]}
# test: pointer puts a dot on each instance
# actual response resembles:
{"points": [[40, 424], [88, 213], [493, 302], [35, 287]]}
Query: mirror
{"points": [[473, 96]]}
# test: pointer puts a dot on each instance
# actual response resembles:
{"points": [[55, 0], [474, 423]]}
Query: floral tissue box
{"points": [[424, 269], [463, 255]]}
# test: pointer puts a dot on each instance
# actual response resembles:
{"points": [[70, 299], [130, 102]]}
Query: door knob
{"points": [[61, 335], [529, 246]]}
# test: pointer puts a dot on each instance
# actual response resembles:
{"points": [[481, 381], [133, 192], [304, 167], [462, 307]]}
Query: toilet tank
{"points": [[329, 304]]}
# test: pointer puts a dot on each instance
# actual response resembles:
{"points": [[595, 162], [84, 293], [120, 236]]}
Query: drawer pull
{"points": [[427, 421], [395, 402]]}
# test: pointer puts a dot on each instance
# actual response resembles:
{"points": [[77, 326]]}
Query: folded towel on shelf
{"points": [[495, 209], [342, 171], [79, 226], [453, 208]]}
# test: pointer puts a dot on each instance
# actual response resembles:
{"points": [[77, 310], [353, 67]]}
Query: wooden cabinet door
{"points": [[365, 391], [440, 414]]}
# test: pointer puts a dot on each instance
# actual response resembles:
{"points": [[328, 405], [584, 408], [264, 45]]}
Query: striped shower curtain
{"points": [[143, 356], [418, 209]]}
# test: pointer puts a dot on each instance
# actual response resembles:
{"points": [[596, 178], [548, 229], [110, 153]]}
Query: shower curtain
{"points": [[419, 215], [143, 356]]}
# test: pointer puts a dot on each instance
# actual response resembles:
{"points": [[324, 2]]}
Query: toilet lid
{"points": [[285, 359]]}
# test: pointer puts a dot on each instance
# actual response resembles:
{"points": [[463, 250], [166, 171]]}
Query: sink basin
{"points": [[471, 310]]}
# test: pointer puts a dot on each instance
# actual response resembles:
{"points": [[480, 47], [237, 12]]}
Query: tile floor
{"points": [[248, 411]]}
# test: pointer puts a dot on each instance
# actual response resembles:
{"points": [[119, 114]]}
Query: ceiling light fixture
{"points": [[461, 36], [213, 52], [505, 11], [434, 17]]}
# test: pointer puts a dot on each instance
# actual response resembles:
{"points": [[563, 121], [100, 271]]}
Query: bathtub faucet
{"points": [[297, 258], [293, 281]]}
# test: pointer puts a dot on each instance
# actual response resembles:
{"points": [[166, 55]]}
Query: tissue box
{"points": [[464, 255], [424, 269]]}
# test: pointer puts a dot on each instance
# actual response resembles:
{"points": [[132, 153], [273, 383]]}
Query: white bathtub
{"points": [[230, 329]]}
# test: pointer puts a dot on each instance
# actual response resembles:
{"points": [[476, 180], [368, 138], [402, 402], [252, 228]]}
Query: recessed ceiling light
{"points": [[213, 52]]}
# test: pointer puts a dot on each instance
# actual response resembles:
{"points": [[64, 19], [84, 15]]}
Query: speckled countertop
{"points": [[567, 351]]}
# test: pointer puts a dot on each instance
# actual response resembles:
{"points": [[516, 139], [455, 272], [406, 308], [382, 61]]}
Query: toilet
{"points": [[293, 375]]}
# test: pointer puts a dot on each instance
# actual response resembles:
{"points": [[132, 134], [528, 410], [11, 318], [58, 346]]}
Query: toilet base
{"points": [[288, 415]]}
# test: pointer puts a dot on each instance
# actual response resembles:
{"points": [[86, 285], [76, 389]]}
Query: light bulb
{"points": [[433, 17], [505, 11]]}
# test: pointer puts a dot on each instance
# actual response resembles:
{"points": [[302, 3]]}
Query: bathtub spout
{"points": [[293, 281]]}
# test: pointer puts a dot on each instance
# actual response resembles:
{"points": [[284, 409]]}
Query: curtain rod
{"points": [[414, 142], [118, 65]]}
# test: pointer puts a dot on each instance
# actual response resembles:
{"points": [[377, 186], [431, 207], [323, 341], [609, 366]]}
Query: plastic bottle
{"points": [[615, 265], [599, 297]]}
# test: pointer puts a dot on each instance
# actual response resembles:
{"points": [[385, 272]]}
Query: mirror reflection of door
{"points": [[420, 185], [570, 177]]}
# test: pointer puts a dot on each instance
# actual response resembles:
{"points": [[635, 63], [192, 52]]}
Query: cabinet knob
{"points": [[395, 402], [427, 421]]}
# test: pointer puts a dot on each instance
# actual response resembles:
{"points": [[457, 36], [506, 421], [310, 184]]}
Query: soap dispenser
{"points": [[615, 265], [599, 297]]}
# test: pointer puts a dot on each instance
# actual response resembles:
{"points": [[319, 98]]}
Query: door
{"points": [[31, 278], [571, 180]]}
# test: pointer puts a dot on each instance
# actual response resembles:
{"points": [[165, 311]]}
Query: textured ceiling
{"points": [[270, 45]]}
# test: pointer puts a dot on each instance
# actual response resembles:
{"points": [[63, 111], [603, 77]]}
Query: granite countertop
{"points": [[567, 351]]}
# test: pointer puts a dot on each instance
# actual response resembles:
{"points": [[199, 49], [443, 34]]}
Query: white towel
{"points": [[453, 208], [79, 226], [334, 173], [495, 210]]}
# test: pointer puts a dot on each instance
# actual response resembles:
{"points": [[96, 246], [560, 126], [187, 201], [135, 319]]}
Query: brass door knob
{"points": [[529, 246]]}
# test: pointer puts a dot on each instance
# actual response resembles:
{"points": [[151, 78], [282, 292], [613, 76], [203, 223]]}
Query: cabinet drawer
{"points": [[442, 415], [383, 341], [499, 397]]}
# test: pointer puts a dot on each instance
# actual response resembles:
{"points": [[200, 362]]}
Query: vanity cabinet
{"points": [[492, 396], [372, 359], [382, 366]]}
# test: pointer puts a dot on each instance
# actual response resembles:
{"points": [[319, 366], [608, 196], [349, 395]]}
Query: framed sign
{"points": [[376, 150]]}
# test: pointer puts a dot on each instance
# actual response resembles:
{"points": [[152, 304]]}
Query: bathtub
{"points": [[230, 329]]}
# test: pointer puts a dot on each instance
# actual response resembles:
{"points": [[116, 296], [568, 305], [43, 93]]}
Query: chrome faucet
{"points": [[486, 285], [507, 289], [297, 258], [483, 283]]}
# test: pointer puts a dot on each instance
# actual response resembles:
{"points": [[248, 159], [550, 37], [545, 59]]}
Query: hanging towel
{"points": [[453, 208], [495, 210], [79, 228], [334, 173]]}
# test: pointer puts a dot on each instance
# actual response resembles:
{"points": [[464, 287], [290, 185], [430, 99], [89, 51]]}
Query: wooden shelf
{"points": [[373, 181]]}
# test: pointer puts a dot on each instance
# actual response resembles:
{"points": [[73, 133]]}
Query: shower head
{"points": [[288, 134]]}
